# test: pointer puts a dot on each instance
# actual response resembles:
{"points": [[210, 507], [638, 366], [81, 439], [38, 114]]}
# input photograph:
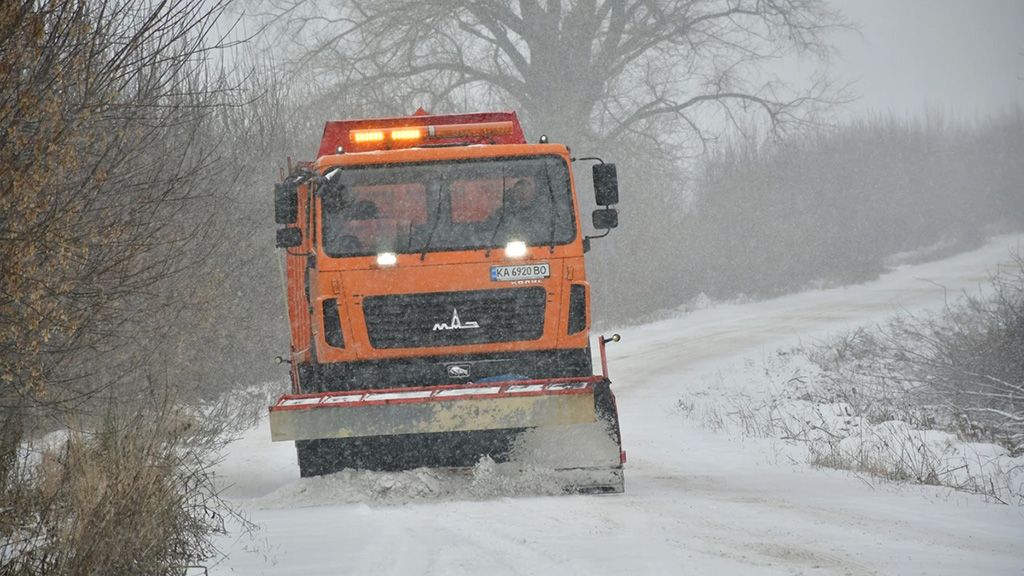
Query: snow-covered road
{"points": [[696, 501]]}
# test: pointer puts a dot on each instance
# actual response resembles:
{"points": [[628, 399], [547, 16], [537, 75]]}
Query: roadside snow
{"points": [[834, 434], [697, 500]]}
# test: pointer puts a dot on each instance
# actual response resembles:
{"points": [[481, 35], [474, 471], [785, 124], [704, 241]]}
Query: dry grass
{"points": [[133, 497], [961, 370], [936, 399]]}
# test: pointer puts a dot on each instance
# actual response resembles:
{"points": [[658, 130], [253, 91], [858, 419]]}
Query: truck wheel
{"points": [[311, 459]]}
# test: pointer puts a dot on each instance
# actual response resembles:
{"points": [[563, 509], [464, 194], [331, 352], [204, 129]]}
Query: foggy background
{"points": [[763, 148], [962, 58]]}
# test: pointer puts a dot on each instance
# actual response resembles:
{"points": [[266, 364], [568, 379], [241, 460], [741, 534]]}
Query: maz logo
{"points": [[456, 371], [455, 324]]}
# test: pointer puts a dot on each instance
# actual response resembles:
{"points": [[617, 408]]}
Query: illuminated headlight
{"points": [[386, 259], [515, 249]]}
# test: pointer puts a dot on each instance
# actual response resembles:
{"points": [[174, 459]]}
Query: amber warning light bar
{"points": [[410, 135]]}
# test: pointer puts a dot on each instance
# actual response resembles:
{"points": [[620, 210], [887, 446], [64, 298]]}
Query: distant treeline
{"points": [[827, 209]]}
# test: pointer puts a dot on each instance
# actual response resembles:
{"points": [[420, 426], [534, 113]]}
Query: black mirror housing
{"points": [[286, 203], [606, 184], [606, 218], [289, 237]]}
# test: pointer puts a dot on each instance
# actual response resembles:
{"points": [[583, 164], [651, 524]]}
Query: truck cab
{"points": [[414, 260], [437, 296]]}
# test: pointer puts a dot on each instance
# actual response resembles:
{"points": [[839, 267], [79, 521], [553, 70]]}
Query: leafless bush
{"points": [[898, 452], [133, 497], [922, 397], [834, 435], [835, 407], [961, 370], [104, 169], [108, 164]]}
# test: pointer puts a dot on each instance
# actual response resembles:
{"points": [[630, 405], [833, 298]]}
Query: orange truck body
{"points": [[431, 313], [350, 280]]}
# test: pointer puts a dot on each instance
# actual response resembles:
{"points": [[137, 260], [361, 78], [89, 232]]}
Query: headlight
{"points": [[515, 249], [386, 259]]}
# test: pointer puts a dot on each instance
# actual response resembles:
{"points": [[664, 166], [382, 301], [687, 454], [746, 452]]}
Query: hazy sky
{"points": [[965, 57]]}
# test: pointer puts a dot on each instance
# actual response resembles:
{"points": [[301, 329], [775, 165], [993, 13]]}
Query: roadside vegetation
{"points": [[960, 370], [827, 208], [934, 398], [110, 168]]}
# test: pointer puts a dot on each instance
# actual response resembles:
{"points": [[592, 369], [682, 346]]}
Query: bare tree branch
{"points": [[572, 67]]}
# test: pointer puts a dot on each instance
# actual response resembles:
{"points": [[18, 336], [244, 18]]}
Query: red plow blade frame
{"points": [[431, 409], [568, 425]]}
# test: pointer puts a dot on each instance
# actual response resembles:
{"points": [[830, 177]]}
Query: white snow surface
{"points": [[697, 501]]}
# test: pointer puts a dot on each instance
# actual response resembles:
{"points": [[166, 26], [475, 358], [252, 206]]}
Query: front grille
{"points": [[455, 318]]}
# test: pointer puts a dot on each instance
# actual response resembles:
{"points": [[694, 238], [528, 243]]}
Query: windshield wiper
{"points": [[433, 227], [501, 216]]}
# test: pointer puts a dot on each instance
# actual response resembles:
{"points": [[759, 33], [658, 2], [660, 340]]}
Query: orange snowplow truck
{"points": [[439, 303]]}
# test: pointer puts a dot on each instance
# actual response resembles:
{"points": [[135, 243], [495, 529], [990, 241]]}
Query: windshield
{"points": [[446, 206]]}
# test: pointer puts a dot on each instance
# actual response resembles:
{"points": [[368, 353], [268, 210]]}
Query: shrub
{"points": [[962, 369], [108, 163], [933, 399], [133, 497]]}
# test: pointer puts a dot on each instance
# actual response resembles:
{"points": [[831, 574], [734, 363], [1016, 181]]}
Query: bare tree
{"points": [[104, 167], [107, 169], [668, 71]]}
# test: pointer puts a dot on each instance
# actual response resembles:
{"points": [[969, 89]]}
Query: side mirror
{"points": [[289, 237], [606, 219], [606, 184], [286, 203]]}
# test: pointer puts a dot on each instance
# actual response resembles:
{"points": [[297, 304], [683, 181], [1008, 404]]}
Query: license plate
{"points": [[520, 272]]}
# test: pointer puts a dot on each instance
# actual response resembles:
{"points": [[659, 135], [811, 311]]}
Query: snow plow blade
{"points": [[564, 425], [490, 406]]}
